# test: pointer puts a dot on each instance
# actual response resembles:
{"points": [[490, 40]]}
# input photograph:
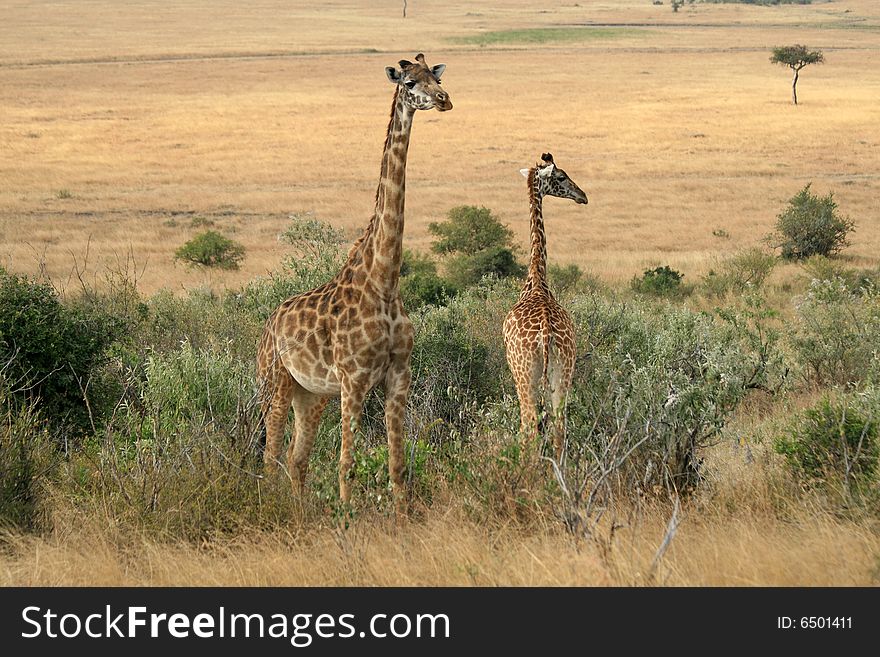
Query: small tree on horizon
{"points": [[796, 57]]}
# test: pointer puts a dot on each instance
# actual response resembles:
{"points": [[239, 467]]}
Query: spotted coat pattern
{"points": [[351, 334], [539, 335]]}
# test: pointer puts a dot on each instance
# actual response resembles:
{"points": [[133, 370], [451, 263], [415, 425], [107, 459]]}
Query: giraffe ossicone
{"points": [[352, 333], [539, 335]]}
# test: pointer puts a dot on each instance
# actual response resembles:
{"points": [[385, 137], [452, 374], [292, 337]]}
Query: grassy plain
{"points": [[120, 126], [123, 124]]}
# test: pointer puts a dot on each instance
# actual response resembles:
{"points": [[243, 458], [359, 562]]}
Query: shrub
{"points": [[317, 257], [659, 282], [50, 352], [420, 285], [25, 459], [196, 386], [821, 268], [834, 443], [469, 229], [466, 270], [811, 225], [659, 385], [836, 333], [564, 279], [317, 254], [203, 319], [211, 249], [477, 245], [748, 268]]}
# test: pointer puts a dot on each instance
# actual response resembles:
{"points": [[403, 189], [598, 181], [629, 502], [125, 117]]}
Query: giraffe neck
{"points": [[379, 251], [537, 277]]}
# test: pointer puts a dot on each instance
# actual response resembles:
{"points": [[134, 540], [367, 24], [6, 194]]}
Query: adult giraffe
{"points": [[538, 333], [352, 333]]}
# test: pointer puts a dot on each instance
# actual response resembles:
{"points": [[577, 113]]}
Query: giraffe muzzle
{"points": [[442, 103]]}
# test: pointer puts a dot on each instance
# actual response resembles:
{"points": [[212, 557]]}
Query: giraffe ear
{"points": [[524, 172], [393, 74], [438, 70]]}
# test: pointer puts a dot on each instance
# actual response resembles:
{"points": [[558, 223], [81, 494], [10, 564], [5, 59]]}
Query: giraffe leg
{"points": [[397, 382], [528, 415], [557, 422], [353, 393], [560, 383], [307, 410], [277, 394]]}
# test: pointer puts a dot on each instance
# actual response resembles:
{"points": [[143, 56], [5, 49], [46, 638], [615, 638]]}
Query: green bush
{"points": [[811, 225], [204, 319], [660, 384], [746, 269], [211, 249], [197, 387], [834, 443], [316, 257], [836, 333], [659, 282], [564, 279], [822, 268], [25, 461], [50, 352], [477, 245], [420, 285], [465, 270], [469, 229]]}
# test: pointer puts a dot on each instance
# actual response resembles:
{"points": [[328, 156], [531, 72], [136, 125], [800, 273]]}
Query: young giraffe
{"points": [[538, 333], [352, 333]]}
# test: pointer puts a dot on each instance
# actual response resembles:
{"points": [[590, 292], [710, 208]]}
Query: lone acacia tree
{"points": [[796, 57]]}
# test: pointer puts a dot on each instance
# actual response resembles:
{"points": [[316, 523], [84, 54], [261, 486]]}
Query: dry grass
{"points": [[749, 526], [675, 128], [446, 549]]}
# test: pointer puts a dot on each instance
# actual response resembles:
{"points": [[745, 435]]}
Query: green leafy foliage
{"points": [[477, 245], [796, 56], [834, 443], [564, 278], [857, 281], [50, 352], [211, 249], [836, 334], [420, 284], [746, 269], [25, 460], [663, 383], [811, 225], [659, 282]]}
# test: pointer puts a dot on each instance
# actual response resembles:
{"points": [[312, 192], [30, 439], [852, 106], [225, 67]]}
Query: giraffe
{"points": [[538, 333], [351, 334]]}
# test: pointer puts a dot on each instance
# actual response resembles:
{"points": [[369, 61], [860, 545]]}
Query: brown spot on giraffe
{"points": [[318, 345], [539, 335]]}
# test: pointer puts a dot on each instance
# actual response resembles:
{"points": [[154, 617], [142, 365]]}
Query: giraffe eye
{"points": [[410, 84]]}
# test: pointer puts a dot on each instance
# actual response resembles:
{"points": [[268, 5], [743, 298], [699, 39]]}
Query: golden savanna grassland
{"points": [[122, 124]]}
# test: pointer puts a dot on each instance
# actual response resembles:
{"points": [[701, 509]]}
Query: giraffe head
{"points": [[420, 84], [550, 180]]}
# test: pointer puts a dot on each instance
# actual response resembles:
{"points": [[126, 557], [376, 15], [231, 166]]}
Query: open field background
{"points": [[126, 128], [121, 125]]}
